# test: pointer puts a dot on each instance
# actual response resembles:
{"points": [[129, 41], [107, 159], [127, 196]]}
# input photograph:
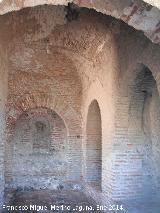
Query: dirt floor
{"points": [[70, 201], [50, 201]]}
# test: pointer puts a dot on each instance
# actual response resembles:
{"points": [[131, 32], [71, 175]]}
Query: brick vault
{"points": [[79, 99]]}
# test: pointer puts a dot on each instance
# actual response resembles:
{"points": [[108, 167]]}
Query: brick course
{"points": [[63, 66]]}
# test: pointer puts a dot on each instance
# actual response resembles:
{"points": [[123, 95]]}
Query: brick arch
{"points": [[128, 11], [134, 125], [131, 125], [71, 118], [26, 141], [142, 110], [41, 111], [137, 69], [154, 68], [143, 84]]}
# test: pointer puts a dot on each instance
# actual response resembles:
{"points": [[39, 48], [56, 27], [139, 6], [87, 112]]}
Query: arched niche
{"points": [[144, 124], [39, 150], [94, 146]]}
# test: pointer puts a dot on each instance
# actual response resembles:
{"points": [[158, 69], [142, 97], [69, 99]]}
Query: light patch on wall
{"points": [[22, 57], [100, 47]]}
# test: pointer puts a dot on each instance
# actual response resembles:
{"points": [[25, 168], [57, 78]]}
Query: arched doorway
{"points": [[94, 146]]}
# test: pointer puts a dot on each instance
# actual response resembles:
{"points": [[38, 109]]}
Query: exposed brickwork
{"points": [[33, 163], [62, 66], [133, 155], [3, 99], [136, 13], [46, 79]]}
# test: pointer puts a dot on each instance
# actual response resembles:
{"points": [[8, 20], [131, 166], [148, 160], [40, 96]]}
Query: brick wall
{"points": [[39, 151], [47, 78], [133, 155], [3, 97], [154, 131], [63, 66]]}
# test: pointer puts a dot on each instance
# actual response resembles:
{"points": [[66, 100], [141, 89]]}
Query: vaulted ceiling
{"points": [[142, 15]]}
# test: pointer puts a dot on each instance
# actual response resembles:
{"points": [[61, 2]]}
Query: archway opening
{"points": [[94, 146]]}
